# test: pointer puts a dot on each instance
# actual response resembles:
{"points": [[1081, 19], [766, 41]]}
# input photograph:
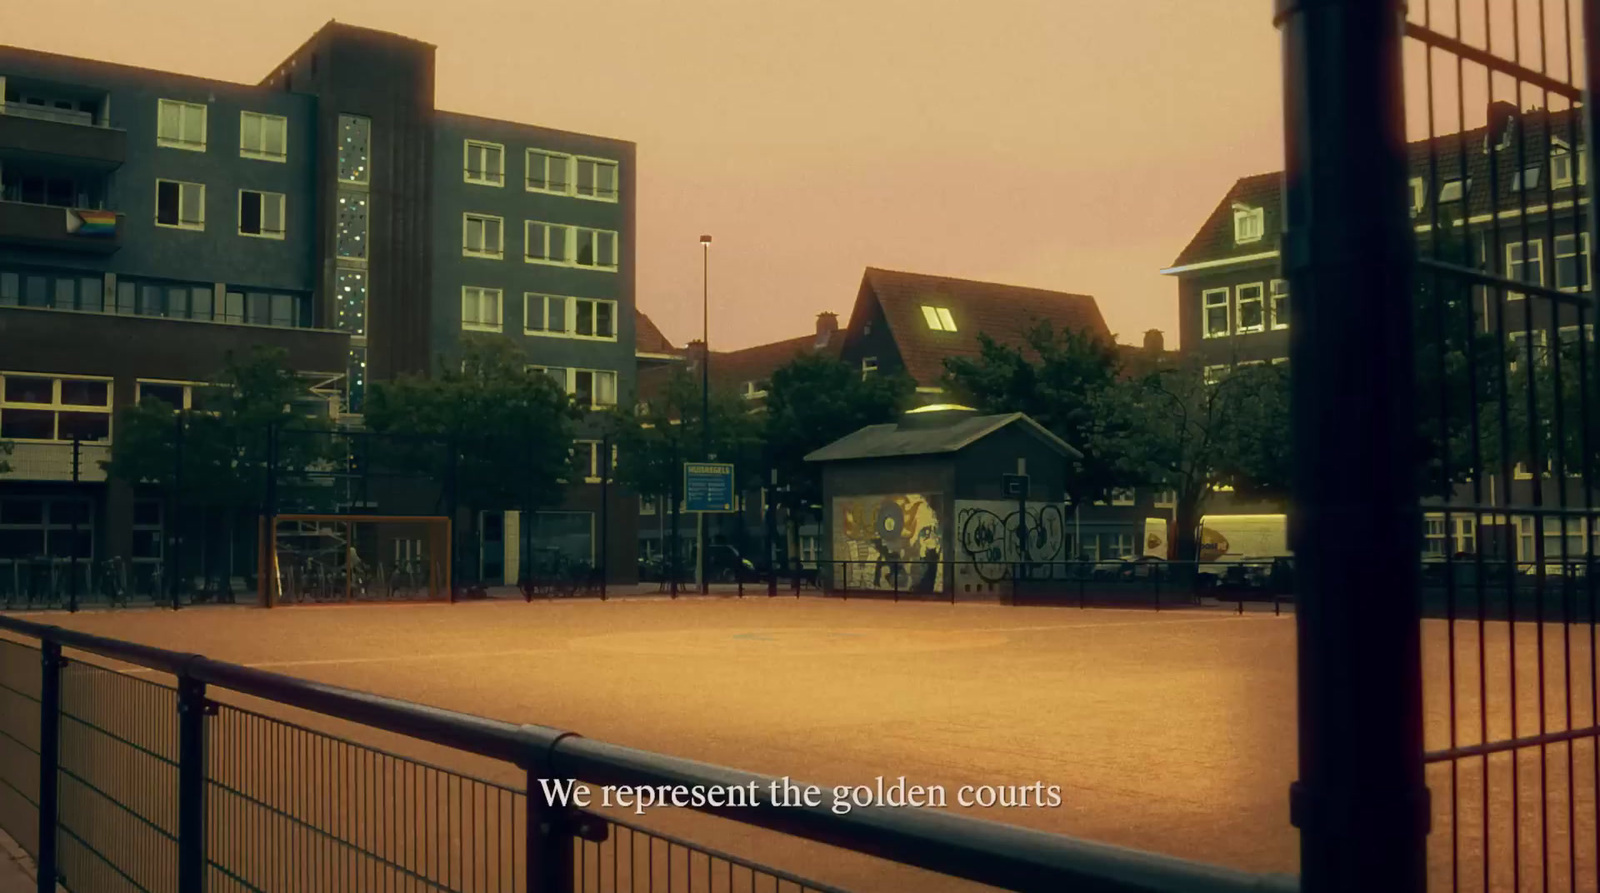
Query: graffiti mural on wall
{"points": [[988, 544], [891, 543]]}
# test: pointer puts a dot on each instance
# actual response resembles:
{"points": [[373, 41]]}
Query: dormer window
{"points": [[1249, 224], [1419, 196], [869, 365], [1528, 178], [754, 391], [938, 318], [1452, 191], [1561, 164]]}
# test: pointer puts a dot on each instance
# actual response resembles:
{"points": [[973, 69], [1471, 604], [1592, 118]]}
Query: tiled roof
{"points": [[731, 369], [1006, 313], [1436, 162], [648, 338]]}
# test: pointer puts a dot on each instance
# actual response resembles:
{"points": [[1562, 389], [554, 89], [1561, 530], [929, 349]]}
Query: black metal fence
{"points": [[112, 781]]}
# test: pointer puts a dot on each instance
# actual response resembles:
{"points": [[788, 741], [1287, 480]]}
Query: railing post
{"points": [[549, 860], [192, 709], [51, 663], [1360, 800]]}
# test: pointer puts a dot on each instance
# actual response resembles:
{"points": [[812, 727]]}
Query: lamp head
{"points": [[705, 241]]}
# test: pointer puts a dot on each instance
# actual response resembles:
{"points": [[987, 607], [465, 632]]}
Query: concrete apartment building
{"points": [[152, 222]]}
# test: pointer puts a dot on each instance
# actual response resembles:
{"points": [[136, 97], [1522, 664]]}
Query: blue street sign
{"points": [[708, 486]]}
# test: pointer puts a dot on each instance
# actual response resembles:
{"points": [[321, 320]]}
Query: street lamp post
{"points": [[701, 565]]}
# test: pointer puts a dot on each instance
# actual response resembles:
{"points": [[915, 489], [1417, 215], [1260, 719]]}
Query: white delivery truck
{"points": [[1241, 550]]}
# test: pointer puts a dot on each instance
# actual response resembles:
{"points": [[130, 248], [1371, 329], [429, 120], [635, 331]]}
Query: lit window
{"points": [[938, 318], [181, 125], [264, 137], [350, 225], [485, 163], [1249, 224], [480, 309], [1418, 196], [869, 365], [482, 236], [1280, 303], [1252, 314], [261, 214], [1122, 497], [1214, 374], [1452, 190], [355, 141], [180, 205], [1215, 301]]}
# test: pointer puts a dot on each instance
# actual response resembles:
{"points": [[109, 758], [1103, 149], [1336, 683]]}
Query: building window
{"points": [[261, 214], [595, 248], [549, 172], [485, 163], [808, 548], [938, 318], [175, 394], [1122, 497], [1517, 348], [180, 205], [1252, 315], [356, 371], [1453, 190], [1214, 374], [648, 505], [480, 309], [587, 454], [1166, 499], [869, 365], [597, 179], [355, 142], [546, 243], [1528, 176], [1419, 194], [1249, 224], [1569, 334], [265, 137], [753, 390], [54, 408], [181, 125], [1524, 263], [1215, 304], [1280, 303], [1440, 543], [1575, 545], [571, 317], [1572, 262], [350, 225], [350, 301], [1115, 545], [482, 236], [590, 388], [35, 527]]}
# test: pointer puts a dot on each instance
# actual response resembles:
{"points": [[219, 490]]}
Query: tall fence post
{"points": [[51, 662], [451, 508], [605, 513], [549, 845], [72, 560], [175, 505], [1361, 801], [192, 708]]}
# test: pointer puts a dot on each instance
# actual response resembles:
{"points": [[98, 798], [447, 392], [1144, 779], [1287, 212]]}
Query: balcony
{"points": [[61, 229], [40, 133]]}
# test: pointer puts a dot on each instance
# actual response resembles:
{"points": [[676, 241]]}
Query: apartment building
{"points": [[152, 222], [1506, 197]]}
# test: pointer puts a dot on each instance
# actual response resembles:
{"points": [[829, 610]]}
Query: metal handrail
{"points": [[960, 846]]}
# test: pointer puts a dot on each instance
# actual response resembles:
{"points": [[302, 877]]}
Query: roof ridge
{"points": [[989, 282]]}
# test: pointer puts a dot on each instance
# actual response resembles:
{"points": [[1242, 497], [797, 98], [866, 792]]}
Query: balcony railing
{"points": [[47, 113]]}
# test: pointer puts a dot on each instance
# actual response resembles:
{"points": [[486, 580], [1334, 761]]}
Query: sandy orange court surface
{"points": [[1172, 732]]}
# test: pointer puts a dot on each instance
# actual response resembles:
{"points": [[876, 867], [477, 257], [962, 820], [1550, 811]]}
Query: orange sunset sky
{"points": [[1065, 144]]}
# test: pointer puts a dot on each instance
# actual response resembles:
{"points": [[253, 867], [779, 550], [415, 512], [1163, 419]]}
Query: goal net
{"points": [[316, 559]]}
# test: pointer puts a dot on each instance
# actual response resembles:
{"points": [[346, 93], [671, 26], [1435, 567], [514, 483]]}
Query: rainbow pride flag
{"points": [[97, 224]]}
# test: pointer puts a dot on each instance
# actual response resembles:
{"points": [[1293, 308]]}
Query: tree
{"points": [[812, 401], [497, 432], [213, 459], [1067, 381], [1195, 437]]}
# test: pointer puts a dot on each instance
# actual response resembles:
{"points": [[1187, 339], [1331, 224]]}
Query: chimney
{"points": [[827, 327], [1153, 342], [1502, 114]]}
